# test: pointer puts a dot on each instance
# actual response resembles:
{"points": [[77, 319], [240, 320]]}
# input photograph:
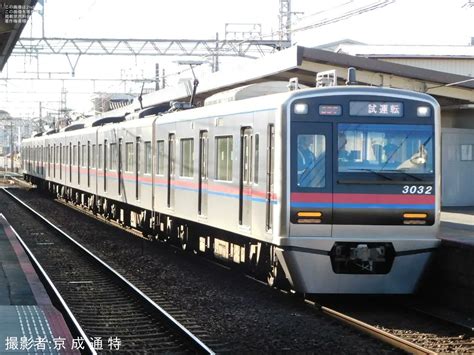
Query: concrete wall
{"points": [[457, 167], [457, 118]]}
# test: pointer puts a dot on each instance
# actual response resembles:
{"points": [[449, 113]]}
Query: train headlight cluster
{"points": [[301, 109], [423, 111]]}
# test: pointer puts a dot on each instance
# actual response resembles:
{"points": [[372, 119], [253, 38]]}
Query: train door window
{"points": [[59, 161], [119, 167], [74, 155], [171, 166], [54, 160], [88, 164], [129, 157], [50, 159], [224, 154], [94, 155], [187, 157], [137, 169], [245, 185], [79, 162], [160, 157], [83, 156], [101, 157], [105, 164], [113, 156], [148, 158], [270, 176], [256, 156], [70, 161], [203, 172]]}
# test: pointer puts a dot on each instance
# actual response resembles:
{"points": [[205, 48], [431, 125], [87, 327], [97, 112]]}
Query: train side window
{"points": [[224, 154], [187, 157], [160, 157], [148, 157], [113, 156], [129, 157]]}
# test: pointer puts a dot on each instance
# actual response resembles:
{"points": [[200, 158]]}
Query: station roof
{"points": [[304, 63], [10, 32], [404, 51]]}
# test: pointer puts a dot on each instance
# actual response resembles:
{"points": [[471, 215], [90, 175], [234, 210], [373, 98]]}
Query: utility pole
{"points": [[284, 33], [11, 146], [215, 57], [157, 76]]}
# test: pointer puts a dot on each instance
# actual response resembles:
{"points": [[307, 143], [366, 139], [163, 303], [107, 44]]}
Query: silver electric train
{"points": [[332, 190]]}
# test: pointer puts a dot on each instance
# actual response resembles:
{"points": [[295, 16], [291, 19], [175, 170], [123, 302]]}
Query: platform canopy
{"points": [[12, 23], [304, 63]]}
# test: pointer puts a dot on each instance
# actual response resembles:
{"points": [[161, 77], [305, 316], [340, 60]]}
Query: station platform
{"points": [[29, 323], [457, 225], [449, 281]]}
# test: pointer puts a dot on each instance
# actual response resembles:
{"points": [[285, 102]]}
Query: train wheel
{"points": [[276, 277], [183, 237]]}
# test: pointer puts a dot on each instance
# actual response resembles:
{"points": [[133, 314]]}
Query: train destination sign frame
{"points": [[376, 109]]}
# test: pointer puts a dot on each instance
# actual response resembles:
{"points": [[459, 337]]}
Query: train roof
{"points": [[266, 102]]}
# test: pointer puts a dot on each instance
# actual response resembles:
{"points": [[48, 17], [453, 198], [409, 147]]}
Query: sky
{"points": [[414, 22]]}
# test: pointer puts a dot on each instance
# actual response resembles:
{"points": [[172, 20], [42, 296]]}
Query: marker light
{"points": [[309, 214], [423, 111], [301, 109], [415, 215]]}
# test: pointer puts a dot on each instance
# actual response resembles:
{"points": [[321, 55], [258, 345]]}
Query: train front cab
{"points": [[364, 191]]}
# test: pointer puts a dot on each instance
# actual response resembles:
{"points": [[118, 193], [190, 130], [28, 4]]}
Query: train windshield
{"points": [[387, 148]]}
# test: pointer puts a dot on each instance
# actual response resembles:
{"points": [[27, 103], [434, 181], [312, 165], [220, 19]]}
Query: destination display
{"points": [[330, 110], [376, 109]]}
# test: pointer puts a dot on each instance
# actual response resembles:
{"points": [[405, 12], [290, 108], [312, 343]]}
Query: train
{"points": [[328, 190]]}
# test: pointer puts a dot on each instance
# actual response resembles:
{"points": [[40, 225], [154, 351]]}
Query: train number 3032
{"points": [[417, 190]]}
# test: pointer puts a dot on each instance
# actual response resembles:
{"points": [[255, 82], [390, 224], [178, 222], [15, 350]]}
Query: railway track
{"points": [[105, 304], [398, 324], [416, 337], [377, 333]]}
